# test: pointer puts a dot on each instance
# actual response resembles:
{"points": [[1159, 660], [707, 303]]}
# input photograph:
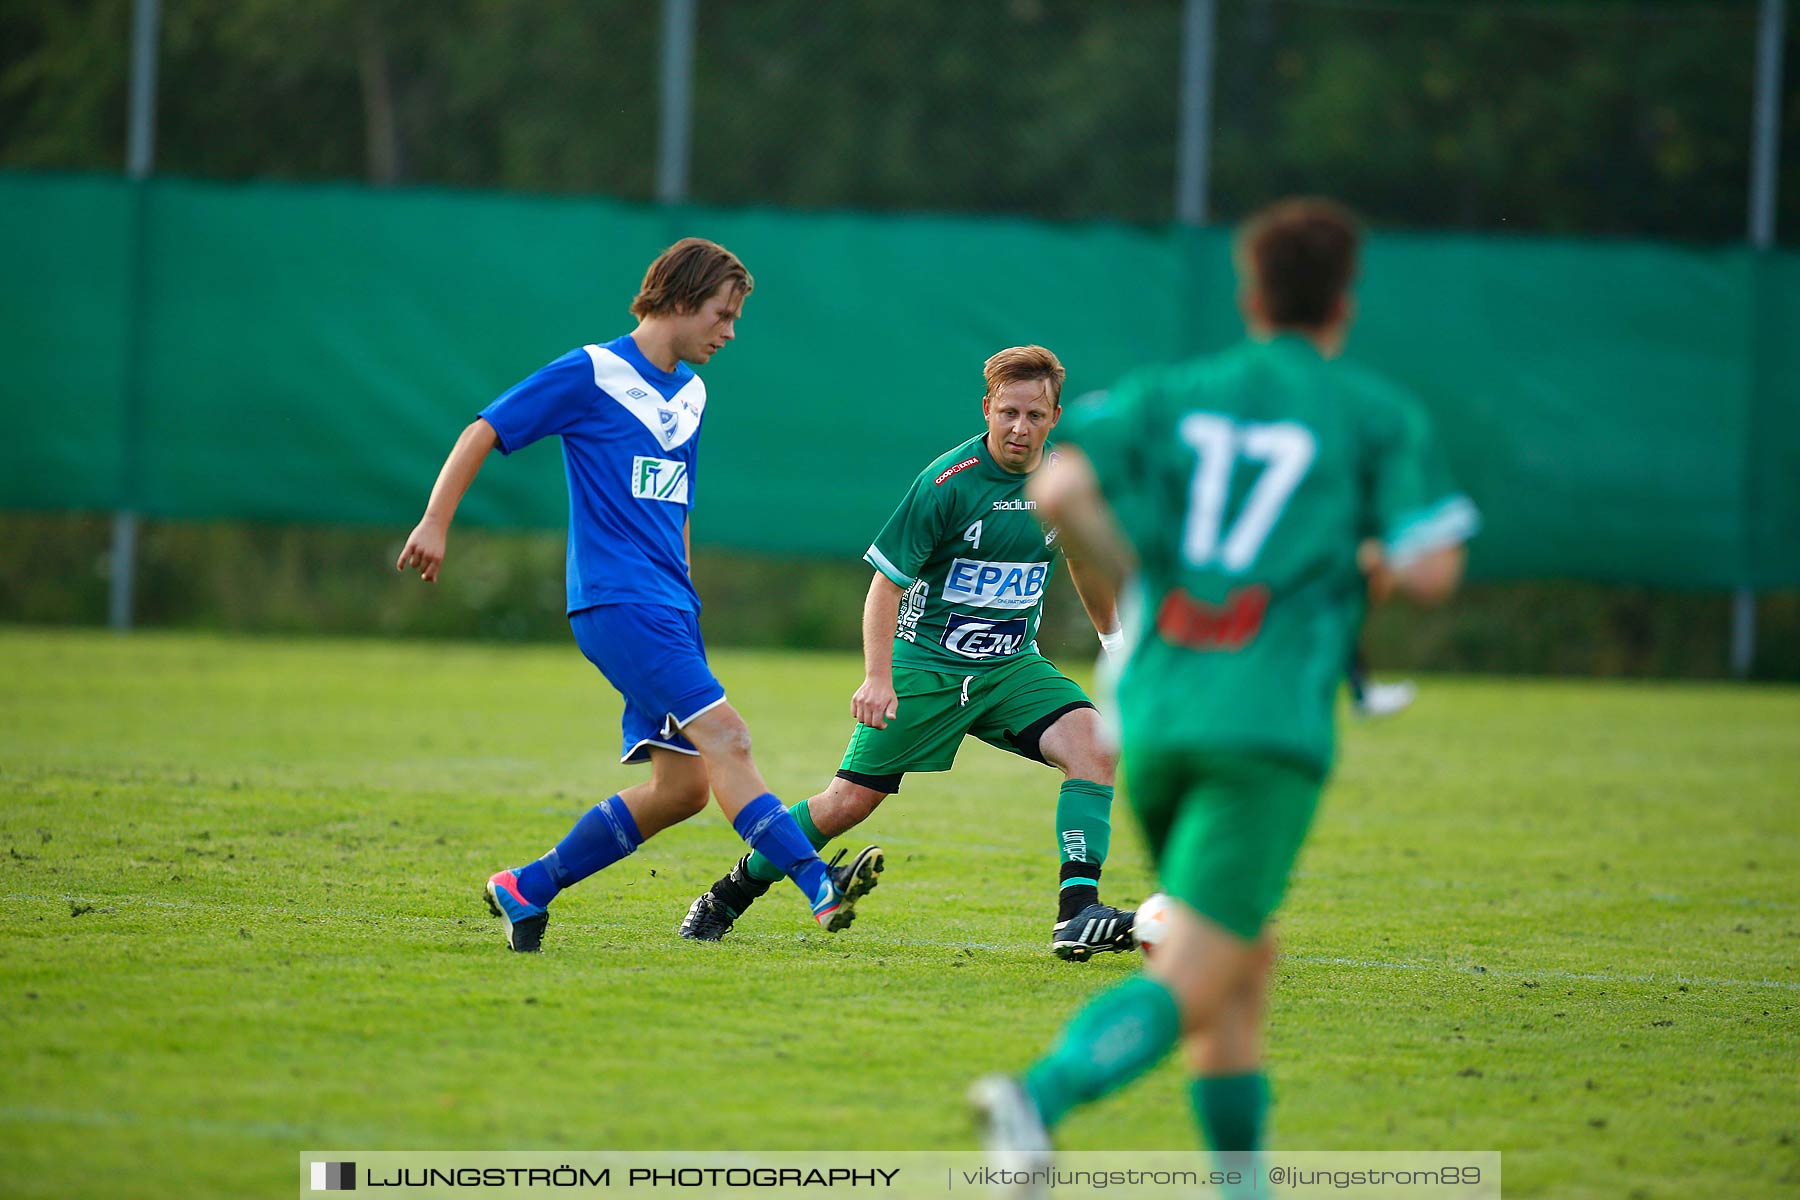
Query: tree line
{"points": [[1562, 116]]}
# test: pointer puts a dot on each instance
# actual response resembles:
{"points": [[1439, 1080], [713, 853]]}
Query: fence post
{"points": [[1765, 161], [1193, 159], [140, 160], [674, 141]]}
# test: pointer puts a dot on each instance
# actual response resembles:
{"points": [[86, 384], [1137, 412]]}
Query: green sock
{"points": [[1120, 1034], [761, 868], [1231, 1110], [1083, 821]]}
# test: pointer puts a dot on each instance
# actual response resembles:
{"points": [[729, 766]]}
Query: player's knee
{"points": [[736, 742], [688, 795], [1106, 764], [1094, 763], [843, 806], [1199, 1001], [1254, 986], [1217, 980], [858, 803], [721, 733], [1077, 746]]}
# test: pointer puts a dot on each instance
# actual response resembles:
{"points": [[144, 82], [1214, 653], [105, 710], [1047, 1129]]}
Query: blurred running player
{"points": [[629, 414], [1257, 497]]}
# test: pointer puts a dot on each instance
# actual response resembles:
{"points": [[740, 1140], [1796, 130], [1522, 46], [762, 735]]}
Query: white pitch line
{"points": [[1365, 964], [275, 1131], [1360, 964]]}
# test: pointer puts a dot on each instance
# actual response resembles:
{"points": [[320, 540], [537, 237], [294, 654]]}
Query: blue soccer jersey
{"points": [[631, 434]]}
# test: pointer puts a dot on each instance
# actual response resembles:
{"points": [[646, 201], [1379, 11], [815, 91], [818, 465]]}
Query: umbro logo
{"points": [[638, 394]]}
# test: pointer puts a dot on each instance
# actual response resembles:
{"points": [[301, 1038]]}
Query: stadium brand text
{"points": [[1015, 506], [995, 584]]}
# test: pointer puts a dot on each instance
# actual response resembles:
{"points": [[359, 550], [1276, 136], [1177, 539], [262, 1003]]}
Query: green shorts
{"points": [[1009, 706], [1223, 827]]}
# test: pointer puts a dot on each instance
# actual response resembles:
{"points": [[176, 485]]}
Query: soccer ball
{"points": [[1152, 922]]}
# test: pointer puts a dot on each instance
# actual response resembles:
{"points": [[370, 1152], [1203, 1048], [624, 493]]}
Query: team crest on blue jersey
{"points": [[672, 420], [659, 479]]}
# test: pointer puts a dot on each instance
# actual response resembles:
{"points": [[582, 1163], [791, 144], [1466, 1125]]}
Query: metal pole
{"points": [[1765, 162], [1199, 21], [1743, 632], [140, 160], [677, 101], [1765, 157], [140, 152]]}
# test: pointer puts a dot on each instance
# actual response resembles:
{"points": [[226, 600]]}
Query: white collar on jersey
{"points": [[672, 421]]}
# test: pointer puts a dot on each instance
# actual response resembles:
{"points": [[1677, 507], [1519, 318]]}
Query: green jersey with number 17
{"points": [[967, 548], [1245, 481]]}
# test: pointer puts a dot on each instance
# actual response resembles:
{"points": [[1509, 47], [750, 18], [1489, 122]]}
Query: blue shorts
{"points": [[653, 654]]}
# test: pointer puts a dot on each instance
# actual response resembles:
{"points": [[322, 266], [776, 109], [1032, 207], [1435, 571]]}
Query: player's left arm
{"points": [[1422, 519], [687, 543], [1428, 578], [1101, 600], [1068, 496]]}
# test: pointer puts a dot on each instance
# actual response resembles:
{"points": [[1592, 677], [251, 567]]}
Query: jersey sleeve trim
{"points": [[1449, 522], [500, 439], [879, 561]]}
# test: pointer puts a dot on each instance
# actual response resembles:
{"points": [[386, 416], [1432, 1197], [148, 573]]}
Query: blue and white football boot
{"points": [[524, 920], [835, 905]]}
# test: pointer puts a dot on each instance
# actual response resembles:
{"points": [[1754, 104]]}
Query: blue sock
{"points": [[773, 833], [605, 834]]}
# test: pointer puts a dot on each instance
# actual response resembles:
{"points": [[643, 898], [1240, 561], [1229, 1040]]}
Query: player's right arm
{"points": [[544, 403], [875, 703], [425, 547], [898, 554]]}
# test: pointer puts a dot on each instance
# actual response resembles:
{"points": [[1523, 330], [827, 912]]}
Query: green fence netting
{"points": [[1621, 411]]}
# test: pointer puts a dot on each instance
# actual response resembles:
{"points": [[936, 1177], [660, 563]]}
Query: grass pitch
{"points": [[242, 918]]}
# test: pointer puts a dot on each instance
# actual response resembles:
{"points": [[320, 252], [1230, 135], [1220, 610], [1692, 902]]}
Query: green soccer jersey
{"points": [[1244, 481], [967, 547]]}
